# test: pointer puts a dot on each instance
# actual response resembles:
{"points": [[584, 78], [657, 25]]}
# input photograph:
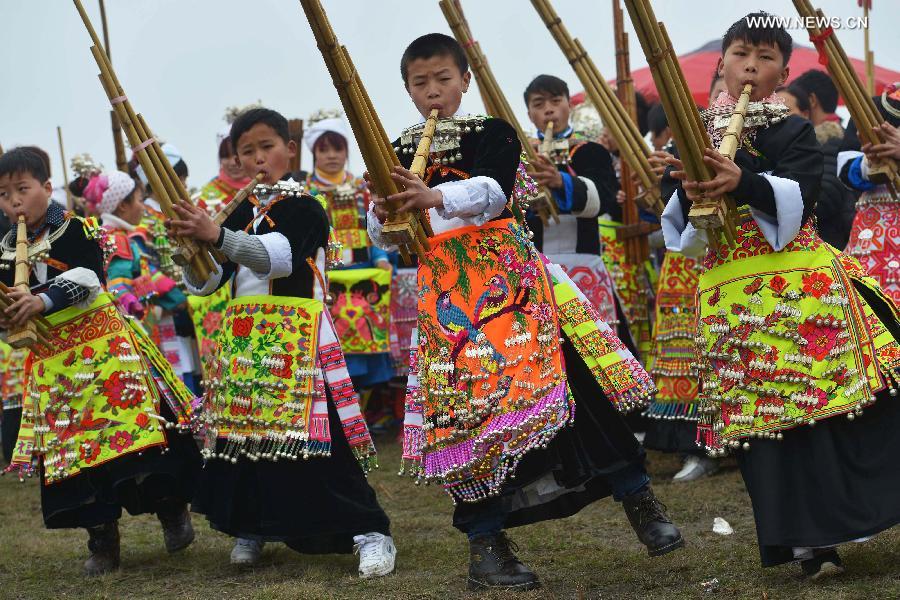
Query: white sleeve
{"points": [[202, 288], [476, 200], [846, 156], [374, 228], [280, 256], [592, 206], [680, 236], [781, 229]]}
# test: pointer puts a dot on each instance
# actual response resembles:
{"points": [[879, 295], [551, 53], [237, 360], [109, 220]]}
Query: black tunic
{"points": [[314, 506], [580, 457], [137, 482]]}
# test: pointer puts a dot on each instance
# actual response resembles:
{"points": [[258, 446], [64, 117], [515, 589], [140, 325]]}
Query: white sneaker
{"points": [[246, 552], [376, 554], [696, 467]]}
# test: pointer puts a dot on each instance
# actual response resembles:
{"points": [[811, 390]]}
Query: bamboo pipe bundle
{"points": [[409, 231], [27, 334], [466, 39], [496, 104], [423, 150], [547, 144], [859, 102], [42, 325], [637, 248], [70, 201], [118, 144], [167, 187], [239, 197], [688, 129], [614, 116]]}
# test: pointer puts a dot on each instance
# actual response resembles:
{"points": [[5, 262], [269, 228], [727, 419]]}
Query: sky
{"points": [[183, 62]]}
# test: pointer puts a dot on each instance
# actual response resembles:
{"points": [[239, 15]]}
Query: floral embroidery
{"points": [[820, 339], [242, 327], [121, 441], [118, 394], [89, 451], [817, 284]]}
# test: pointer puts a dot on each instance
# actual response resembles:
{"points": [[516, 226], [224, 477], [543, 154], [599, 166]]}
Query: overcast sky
{"points": [[182, 62]]}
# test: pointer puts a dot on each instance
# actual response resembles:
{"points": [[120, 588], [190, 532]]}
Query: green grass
{"points": [[592, 555]]}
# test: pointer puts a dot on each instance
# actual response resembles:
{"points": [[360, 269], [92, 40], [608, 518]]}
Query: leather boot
{"points": [[178, 532], [650, 522], [103, 544], [492, 565]]}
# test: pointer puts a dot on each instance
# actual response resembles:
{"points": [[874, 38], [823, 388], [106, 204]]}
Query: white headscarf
{"points": [[105, 191], [315, 131], [171, 153]]}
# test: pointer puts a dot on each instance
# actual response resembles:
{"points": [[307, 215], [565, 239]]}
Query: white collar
{"points": [[114, 222]]}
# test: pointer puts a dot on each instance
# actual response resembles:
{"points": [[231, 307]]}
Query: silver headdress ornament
{"points": [[84, 166], [322, 114], [233, 112], [585, 119]]}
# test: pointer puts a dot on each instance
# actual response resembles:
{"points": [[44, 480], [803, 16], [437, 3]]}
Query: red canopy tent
{"points": [[698, 67]]}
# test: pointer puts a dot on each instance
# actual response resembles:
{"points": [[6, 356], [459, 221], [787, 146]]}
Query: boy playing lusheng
{"points": [[488, 395], [99, 397], [581, 177], [791, 333], [280, 392]]}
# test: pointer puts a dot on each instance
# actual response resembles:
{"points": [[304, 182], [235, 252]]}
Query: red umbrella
{"points": [[699, 65]]}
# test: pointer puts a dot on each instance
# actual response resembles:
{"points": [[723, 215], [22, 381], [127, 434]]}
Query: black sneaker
{"points": [[824, 563], [650, 522], [493, 565]]}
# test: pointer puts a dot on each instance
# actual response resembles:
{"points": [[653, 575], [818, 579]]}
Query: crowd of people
{"points": [[527, 362]]}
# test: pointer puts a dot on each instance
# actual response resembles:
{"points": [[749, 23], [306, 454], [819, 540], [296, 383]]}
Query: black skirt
{"points": [[672, 435], [9, 431], [560, 480], [137, 482], [834, 482], [314, 506]]}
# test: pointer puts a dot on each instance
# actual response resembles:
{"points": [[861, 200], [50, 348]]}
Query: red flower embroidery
{"points": [[118, 395], [89, 451], [87, 353], [141, 420], [242, 326], [284, 370], [116, 347], [121, 441], [211, 322], [817, 284], [69, 360], [820, 340], [778, 284], [714, 299]]}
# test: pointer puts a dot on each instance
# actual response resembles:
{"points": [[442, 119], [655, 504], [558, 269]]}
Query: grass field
{"points": [[592, 555]]}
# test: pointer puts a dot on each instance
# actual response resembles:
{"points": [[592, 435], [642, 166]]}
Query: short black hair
{"points": [[642, 107], [548, 84], [819, 83], [429, 45], [26, 159], [760, 28], [715, 79], [247, 119], [656, 119], [800, 94]]}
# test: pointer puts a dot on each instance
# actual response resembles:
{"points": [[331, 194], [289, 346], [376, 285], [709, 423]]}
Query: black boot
{"points": [[492, 565], [653, 527], [104, 546], [178, 532]]}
